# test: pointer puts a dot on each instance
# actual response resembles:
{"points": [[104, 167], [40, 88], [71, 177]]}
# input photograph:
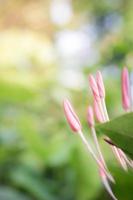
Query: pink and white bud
{"points": [[125, 84], [97, 112], [128, 160], [119, 157], [100, 84], [102, 173], [90, 116], [106, 184], [94, 88], [123, 160], [71, 116]]}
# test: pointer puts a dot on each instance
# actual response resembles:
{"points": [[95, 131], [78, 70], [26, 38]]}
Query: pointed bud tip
{"points": [[100, 84], [71, 116], [94, 87]]}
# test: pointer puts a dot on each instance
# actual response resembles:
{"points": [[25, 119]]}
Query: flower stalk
{"points": [[100, 110], [106, 184], [101, 89], [126, 93], [90, 118]]}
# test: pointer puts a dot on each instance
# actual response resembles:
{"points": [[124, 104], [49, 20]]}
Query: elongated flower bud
{"points": [[71, 116], [106, 184], [119, 157], [123, 161], [94, 88], [97, 112], [90, 116], [126, 100], [100, 84], [131, 89]]}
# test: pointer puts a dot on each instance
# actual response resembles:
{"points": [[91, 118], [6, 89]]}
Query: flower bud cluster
{"points": [[100, 111]]}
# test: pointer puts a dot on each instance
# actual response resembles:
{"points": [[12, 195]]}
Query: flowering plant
{"points": [[118, 131]]}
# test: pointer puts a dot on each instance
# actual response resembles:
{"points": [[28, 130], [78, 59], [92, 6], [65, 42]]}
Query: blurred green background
{"points": [[47, 50]]}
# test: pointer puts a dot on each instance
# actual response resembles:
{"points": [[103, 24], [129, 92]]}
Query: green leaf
{"points": [[120, 130]]}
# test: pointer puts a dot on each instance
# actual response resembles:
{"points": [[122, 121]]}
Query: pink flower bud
{"points": [[97, 112], [119, 157], [94, 88], [100, 84], [102, 173], [90, 116], [106, 183], [125, 89], [71, 116]]}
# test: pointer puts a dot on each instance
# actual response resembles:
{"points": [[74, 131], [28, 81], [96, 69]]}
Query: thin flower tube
{"points": [[75, 126], [101, 89], [100, 110], [90, 119]]}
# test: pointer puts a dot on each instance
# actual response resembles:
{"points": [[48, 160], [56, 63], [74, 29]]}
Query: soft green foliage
{"points": [[120, 130]]}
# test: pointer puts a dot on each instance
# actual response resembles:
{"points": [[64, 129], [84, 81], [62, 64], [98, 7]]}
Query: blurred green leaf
{"points": [[28, 180], [13, 93], [27, 127], [120, 130], [87, 182], [8, 193]]}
